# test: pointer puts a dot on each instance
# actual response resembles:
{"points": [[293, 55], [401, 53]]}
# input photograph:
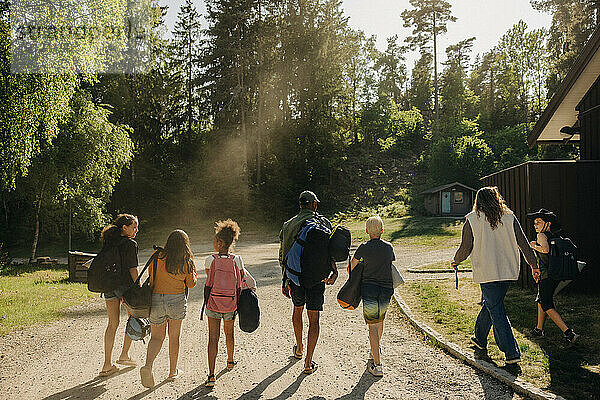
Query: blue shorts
{"points": [[167, 306], [376, 300]]}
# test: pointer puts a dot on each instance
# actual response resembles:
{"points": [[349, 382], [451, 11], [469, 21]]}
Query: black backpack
{"points": [[104, 274], [248, 311], [562, 259], [339, 243], [309, 258]]}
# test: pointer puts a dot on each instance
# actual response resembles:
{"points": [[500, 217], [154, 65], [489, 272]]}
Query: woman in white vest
{"points": [[492, 236]]}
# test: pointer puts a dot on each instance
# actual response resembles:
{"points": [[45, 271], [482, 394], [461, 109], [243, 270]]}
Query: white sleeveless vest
{"points": [[495, 255]]}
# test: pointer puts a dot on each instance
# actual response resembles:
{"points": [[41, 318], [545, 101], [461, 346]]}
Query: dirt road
{"points": [[61, 360]]}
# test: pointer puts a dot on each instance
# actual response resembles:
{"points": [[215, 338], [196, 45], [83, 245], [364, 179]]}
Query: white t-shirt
{"points": [[248, 282]]}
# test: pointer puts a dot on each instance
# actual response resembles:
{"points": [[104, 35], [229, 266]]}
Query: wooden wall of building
{"points": [[589, 121]]}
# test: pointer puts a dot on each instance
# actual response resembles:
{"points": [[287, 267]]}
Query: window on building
{"points": [[458, 197]]}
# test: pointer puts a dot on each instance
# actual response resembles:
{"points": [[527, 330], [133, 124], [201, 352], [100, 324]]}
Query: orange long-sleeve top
{"points": [[167, 283]]}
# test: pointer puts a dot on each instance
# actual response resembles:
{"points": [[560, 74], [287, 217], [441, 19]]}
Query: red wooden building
{"points": [[569, 188]]}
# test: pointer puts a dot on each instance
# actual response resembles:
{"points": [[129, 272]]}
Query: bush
{"points": [[5, 259]]}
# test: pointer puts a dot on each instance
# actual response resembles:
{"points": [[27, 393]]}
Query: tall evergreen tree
{"points": [[429, 19], [573, 22], [184, 57]]}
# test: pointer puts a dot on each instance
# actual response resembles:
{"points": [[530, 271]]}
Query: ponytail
{"points": [[113, 231]]}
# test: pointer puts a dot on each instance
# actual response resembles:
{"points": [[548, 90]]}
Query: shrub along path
{"points": [[62, 359]]}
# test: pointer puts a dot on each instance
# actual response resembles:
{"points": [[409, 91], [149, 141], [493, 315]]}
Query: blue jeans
{"points": [[493, 314]]}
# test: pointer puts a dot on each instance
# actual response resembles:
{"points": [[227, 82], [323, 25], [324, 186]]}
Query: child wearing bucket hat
{"points": [[546, 227]]}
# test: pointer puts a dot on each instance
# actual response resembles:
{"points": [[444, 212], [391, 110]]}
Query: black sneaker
{"points": [[570, 336], [476, 343], [537, 333]]}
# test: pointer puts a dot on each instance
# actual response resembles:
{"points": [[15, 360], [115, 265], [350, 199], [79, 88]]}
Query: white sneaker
{"points": [[375, 370]]}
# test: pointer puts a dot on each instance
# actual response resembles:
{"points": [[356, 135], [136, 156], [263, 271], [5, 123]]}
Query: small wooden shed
{"points": [[453, 200]]}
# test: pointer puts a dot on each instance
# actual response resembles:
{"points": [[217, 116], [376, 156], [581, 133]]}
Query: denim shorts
{"points": [[376, 300], [167, 306], [219, 315], [115, 294]]}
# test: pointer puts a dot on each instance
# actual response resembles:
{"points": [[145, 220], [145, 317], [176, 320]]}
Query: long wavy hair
{"points": [[112, 232], [179, 257], [489, 201]]}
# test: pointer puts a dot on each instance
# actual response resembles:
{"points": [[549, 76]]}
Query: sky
{"points": [[487, 20]]}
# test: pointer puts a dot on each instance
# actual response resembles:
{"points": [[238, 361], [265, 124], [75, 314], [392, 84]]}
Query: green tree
{"points": [[419, 92], [182, 66], [81, 167], [392, 70], [573, 22], [429, 19], [457, 101]]}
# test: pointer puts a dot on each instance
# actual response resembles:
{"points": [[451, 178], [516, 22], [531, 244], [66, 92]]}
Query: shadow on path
{"points": [[147, 391], [256, 392], [359, 391], [293, 388], [202, 392], [89, 390]]}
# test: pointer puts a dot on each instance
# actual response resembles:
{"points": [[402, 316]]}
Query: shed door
{"points": [[445, 202]]}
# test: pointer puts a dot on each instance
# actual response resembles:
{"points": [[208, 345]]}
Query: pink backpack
{"points": [[224, 279]]}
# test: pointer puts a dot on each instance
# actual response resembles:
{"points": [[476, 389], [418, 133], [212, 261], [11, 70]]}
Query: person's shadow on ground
{"points": [[361, 387], [88, 390]]}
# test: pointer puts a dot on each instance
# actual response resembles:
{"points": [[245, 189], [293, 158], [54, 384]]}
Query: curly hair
{"points": [[489, 201], [227, 232]]}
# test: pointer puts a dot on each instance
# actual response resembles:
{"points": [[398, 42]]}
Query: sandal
{"points": [[231, 364], [295, 353], [313, 367], [109, 372], [127, 361], [147, 377], [210, 381], [175, 376]]}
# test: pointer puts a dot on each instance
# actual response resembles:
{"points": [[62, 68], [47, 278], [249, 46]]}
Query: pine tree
{"points": [[428, 19]]}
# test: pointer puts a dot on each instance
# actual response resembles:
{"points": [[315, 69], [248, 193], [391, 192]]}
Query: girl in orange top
{"points": [[175, 271]]}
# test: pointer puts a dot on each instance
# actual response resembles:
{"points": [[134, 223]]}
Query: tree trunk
{"points": [[70, 222], [242, 111], [261, 124], [37, 225], [5, 208], [435, 77], [189, 88]]}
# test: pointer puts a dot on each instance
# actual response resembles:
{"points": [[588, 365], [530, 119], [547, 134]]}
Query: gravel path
{"points": [[61, 360]]}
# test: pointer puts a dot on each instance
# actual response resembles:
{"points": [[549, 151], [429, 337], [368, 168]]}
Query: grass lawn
{"points": [[29, 296], [430, 232], [569, 370], [465, 265]]}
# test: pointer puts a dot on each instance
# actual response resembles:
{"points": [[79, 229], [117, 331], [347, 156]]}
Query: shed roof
{"points": [[449, 185], [561, 110]]}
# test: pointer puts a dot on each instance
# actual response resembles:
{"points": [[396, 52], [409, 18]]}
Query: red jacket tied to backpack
{"points": [[225, 281]]}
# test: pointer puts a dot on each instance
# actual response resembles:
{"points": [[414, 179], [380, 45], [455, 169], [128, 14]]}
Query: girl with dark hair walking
{"points": [[492, 236], [175, 273], [224, 276], [121, 233]]}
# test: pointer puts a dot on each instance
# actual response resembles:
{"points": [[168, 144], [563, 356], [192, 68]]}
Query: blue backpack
{"points": [[308, 261]]}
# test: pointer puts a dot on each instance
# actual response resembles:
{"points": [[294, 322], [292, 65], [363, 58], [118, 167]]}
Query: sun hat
{"points": [[545, 215]]}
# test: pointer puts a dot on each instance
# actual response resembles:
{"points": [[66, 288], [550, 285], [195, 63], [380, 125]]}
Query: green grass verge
{"points": [[29, 296], [430, 232], [572, 371], [445, 265]]}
